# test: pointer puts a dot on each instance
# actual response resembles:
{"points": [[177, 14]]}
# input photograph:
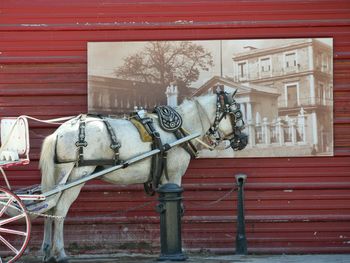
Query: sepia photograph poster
{"points": [[284, 86]]}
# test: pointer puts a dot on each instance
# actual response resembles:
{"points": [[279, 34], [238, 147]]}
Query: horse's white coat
{"points": [[198, 115]]}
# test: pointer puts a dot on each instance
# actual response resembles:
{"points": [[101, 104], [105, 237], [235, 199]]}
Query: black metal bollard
{"points": [[241, 240], [170, 222]]}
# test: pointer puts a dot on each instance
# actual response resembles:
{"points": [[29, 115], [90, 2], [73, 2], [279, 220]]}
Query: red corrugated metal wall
{"points": [[292, 204]]}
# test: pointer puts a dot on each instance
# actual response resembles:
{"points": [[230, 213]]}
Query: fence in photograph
{"points": [[288, 131]]}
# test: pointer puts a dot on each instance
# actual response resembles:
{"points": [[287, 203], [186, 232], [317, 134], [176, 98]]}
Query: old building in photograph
{"points": [[115, 96], [301, 72], [285, 93]]}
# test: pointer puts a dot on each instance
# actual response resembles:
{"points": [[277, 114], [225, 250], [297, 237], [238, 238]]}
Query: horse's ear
{"points": [[234, 93]]}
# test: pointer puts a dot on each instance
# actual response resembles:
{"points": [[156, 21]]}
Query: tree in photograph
{"points": [[166, 62]]}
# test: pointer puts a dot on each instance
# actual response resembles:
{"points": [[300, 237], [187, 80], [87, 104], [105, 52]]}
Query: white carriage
{"points": [[14, 235]]}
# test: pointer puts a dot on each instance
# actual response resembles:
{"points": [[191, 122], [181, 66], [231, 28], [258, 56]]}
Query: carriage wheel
{"points": [[14, 226]]}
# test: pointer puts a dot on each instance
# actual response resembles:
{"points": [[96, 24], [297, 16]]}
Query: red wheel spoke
{"points": [[8, 245], [11, 231], [6, 206], [11, 219], [13, 236]]}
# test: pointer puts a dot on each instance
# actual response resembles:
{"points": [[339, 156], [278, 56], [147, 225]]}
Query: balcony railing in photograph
{"points": [[302, 102], [274, 72]]}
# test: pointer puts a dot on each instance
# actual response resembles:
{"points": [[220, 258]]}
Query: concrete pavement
{"points": [[195, 258]]}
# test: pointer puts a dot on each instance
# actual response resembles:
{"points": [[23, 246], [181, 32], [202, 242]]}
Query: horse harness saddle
{"points": [[169, 121]]}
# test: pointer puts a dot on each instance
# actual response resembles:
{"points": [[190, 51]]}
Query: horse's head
{"points": [[228, 123]]}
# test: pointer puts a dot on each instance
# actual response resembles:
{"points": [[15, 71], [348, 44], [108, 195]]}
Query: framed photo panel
{"points": [[284, 86]]}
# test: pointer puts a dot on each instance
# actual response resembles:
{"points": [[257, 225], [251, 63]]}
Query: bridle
{"points": [[228, 107]]}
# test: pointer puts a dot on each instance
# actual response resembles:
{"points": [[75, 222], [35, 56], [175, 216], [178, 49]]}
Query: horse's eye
{"points": [[235, 107]]}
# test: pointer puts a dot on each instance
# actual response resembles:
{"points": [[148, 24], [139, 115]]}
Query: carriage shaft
{"points": [[25, 197], [60, 188]]}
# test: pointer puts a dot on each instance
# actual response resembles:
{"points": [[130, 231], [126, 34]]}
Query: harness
{"points": [[170, 121], [81, 144], [226, 106]]}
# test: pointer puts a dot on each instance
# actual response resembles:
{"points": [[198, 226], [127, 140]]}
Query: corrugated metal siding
{"points": [[292, 204]]}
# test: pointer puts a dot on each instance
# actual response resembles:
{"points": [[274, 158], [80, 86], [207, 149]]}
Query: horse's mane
{"points": [[189, 101]]}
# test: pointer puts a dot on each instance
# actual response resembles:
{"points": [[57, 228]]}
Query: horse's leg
{"points": [[66, 200], [62, 207], [177, 162], [60, 171], [47, 240]]}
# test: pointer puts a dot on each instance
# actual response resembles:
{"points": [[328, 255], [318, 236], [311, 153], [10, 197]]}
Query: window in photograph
{"points": [[324, 62], [265, 64], [292, 95], [242, 70], [322, 94], [290, 60]]}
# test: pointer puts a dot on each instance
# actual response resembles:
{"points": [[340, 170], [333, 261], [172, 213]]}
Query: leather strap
{"points": [[188, 146], [115, 144], [81, 143], [159, 160]]}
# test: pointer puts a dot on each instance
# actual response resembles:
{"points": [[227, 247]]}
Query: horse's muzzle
{"points": [[239, 142]]}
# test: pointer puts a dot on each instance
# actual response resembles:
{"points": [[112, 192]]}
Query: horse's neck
{"points": [[198, 114]]}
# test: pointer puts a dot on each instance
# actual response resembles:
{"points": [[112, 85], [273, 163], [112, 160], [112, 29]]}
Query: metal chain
{"points": [[35, 213], [46, 215], [118, 212], [216, 201], [124, 212]]}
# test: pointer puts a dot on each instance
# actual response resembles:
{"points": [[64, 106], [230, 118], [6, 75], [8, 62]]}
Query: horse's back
{"points": [[98, 139]]}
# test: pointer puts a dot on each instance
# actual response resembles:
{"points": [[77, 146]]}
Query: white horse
{"points": [[199, 115]]}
